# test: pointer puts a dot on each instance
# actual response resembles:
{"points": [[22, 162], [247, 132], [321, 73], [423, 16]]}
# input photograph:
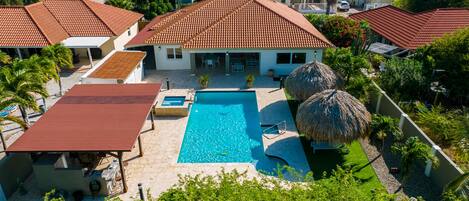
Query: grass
{"points": [[322, 163]]}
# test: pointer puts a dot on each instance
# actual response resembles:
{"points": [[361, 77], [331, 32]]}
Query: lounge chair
{"points": [[325, 146]]}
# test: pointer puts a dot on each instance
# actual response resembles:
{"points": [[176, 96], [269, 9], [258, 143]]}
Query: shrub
{"points": [[402, 78], [361, 88], [376, 59], [345, 63], [339, 30], [203, 81], [237, 186], [439, 126], [124, 4]]}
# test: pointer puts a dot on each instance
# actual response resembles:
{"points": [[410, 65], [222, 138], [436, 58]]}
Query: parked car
{"points": [[343, 6]]}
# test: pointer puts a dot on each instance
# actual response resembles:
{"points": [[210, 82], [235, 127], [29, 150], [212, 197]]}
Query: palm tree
{"points": [[459, 186], [12, 119], [328, 7], [20, 82], [412, 151], [62, 57]]}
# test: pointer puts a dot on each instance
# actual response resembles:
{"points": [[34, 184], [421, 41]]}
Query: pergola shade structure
{"points": [[92, 118], [333, 116], [311, 78]]}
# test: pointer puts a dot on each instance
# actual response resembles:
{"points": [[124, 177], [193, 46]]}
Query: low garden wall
{"points": [[14, 168], [447, 170]]}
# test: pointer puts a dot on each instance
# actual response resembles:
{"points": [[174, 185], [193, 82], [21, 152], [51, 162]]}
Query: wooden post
{"points": [[152, 119], [140, 148], [121, 166], [3, 142]]}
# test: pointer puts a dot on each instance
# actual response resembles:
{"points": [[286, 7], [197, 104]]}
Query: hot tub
{"points": [[175, 106]]}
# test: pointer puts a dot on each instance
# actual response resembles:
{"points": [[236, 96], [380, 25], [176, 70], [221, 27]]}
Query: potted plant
{"points": [[250, 80], [271, 73], [203, 81]]}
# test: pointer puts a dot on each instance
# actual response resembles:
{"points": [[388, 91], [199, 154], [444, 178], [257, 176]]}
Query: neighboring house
{"points": [[230, 36], [408, 30], [83, 25]]}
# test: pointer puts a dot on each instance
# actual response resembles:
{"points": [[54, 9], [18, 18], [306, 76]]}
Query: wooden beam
{"points": [[113, 154], [3, 142], [140, 148], [152, 118], [121, 166]]}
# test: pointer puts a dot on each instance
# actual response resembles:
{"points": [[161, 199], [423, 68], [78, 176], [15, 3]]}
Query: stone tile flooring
{"points": [[158, 169]]}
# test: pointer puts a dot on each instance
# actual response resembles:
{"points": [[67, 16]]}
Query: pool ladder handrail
{"points": [[282, 129]]}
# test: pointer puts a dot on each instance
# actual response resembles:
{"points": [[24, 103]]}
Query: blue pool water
{"points": [[173, 101], [224, 127]]}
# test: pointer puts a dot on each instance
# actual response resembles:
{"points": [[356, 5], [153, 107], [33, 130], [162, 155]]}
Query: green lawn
{"points": [[326, 161]]}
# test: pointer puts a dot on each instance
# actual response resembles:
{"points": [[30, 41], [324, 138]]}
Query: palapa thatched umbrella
{"points": [[311, 78], [333, 116]]}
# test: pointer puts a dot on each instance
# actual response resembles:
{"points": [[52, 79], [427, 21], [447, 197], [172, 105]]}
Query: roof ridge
{"points": [[220, 20], [433, 12], [293, 23], [55, 18], [101, 19], [35, 22]]}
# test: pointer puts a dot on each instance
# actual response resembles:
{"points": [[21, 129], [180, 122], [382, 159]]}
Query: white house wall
{"points": [[163, 63], [124, 38], [136, 76]]}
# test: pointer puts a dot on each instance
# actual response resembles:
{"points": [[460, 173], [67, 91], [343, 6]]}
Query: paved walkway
{"points": [[158, 169]]}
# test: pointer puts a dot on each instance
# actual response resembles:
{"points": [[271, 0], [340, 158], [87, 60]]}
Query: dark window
{"points": [[283, 58], [178, 53], [298, 58], [129, 32], [170, 53]]}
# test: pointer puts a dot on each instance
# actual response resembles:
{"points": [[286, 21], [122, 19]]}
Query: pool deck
{"points": [[158, 169]]}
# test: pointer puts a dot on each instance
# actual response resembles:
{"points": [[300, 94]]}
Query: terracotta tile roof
{"points": [[91, 117], [51, 21], [233, 24], [119, 65], [412, 30]]}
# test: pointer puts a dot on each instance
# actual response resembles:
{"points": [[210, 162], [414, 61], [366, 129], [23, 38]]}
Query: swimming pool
{"points": [[173, 101], [223, 127]]}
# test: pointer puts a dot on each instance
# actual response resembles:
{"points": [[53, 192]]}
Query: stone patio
{"points": [[158, 169]]}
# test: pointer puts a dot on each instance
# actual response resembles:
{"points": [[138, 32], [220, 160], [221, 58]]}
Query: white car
{"points": [[343, 6]]}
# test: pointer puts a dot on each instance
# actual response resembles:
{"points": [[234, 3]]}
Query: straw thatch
{"points": [[311, 78], [333, 116]]}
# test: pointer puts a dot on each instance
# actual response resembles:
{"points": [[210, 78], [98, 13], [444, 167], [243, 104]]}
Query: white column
{"points": [[19, 53], [401, 121], [378, 103], [90, 57], [428, 167]]}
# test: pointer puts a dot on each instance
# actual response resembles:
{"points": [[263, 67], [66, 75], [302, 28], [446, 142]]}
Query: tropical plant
{"points": [[441, 127], [419, 5], [17, 2], [237, 186], [449, 53], [402, 78], [20, 83], [124, 4], [2, 123], [4, 58], [361, 87], [250, 80], [203, 81], [152, 8], [62, 58], [345, 63], [53, 195], [376, 60], [412, 151], [458, 189], [383, 126]]}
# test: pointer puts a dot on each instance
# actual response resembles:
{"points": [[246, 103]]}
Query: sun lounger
{"points": [[325, 146]]}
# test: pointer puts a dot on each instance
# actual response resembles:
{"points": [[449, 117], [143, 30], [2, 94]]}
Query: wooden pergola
{"points": [[106, 118]]}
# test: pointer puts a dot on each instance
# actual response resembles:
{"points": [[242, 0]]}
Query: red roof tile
{"points": [[91, 117], [119, 66], [233, 24], [412, 30], [51, 21]]}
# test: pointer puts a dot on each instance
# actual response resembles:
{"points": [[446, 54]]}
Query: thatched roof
{"points": [[333, 116], [311, 78]]}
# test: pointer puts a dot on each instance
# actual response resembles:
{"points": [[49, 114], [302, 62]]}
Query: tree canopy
{"points": [[420, 5], [17, 2]]}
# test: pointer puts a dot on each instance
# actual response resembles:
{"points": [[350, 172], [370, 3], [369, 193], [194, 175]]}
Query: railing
{"points": [[281, 127]]}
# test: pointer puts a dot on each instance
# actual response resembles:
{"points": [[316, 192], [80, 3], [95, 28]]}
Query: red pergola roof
{"points": [[91, 117]]}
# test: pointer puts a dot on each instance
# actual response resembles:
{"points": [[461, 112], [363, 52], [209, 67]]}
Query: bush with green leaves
{"points": [[361, 87], [342, 185], [403, 79], [451, 54], [441, 127], [376, 60], [383, 126], [411, 152], [53, 195], [124, 4], [152, 8], [345, 63], [419, 5]]}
